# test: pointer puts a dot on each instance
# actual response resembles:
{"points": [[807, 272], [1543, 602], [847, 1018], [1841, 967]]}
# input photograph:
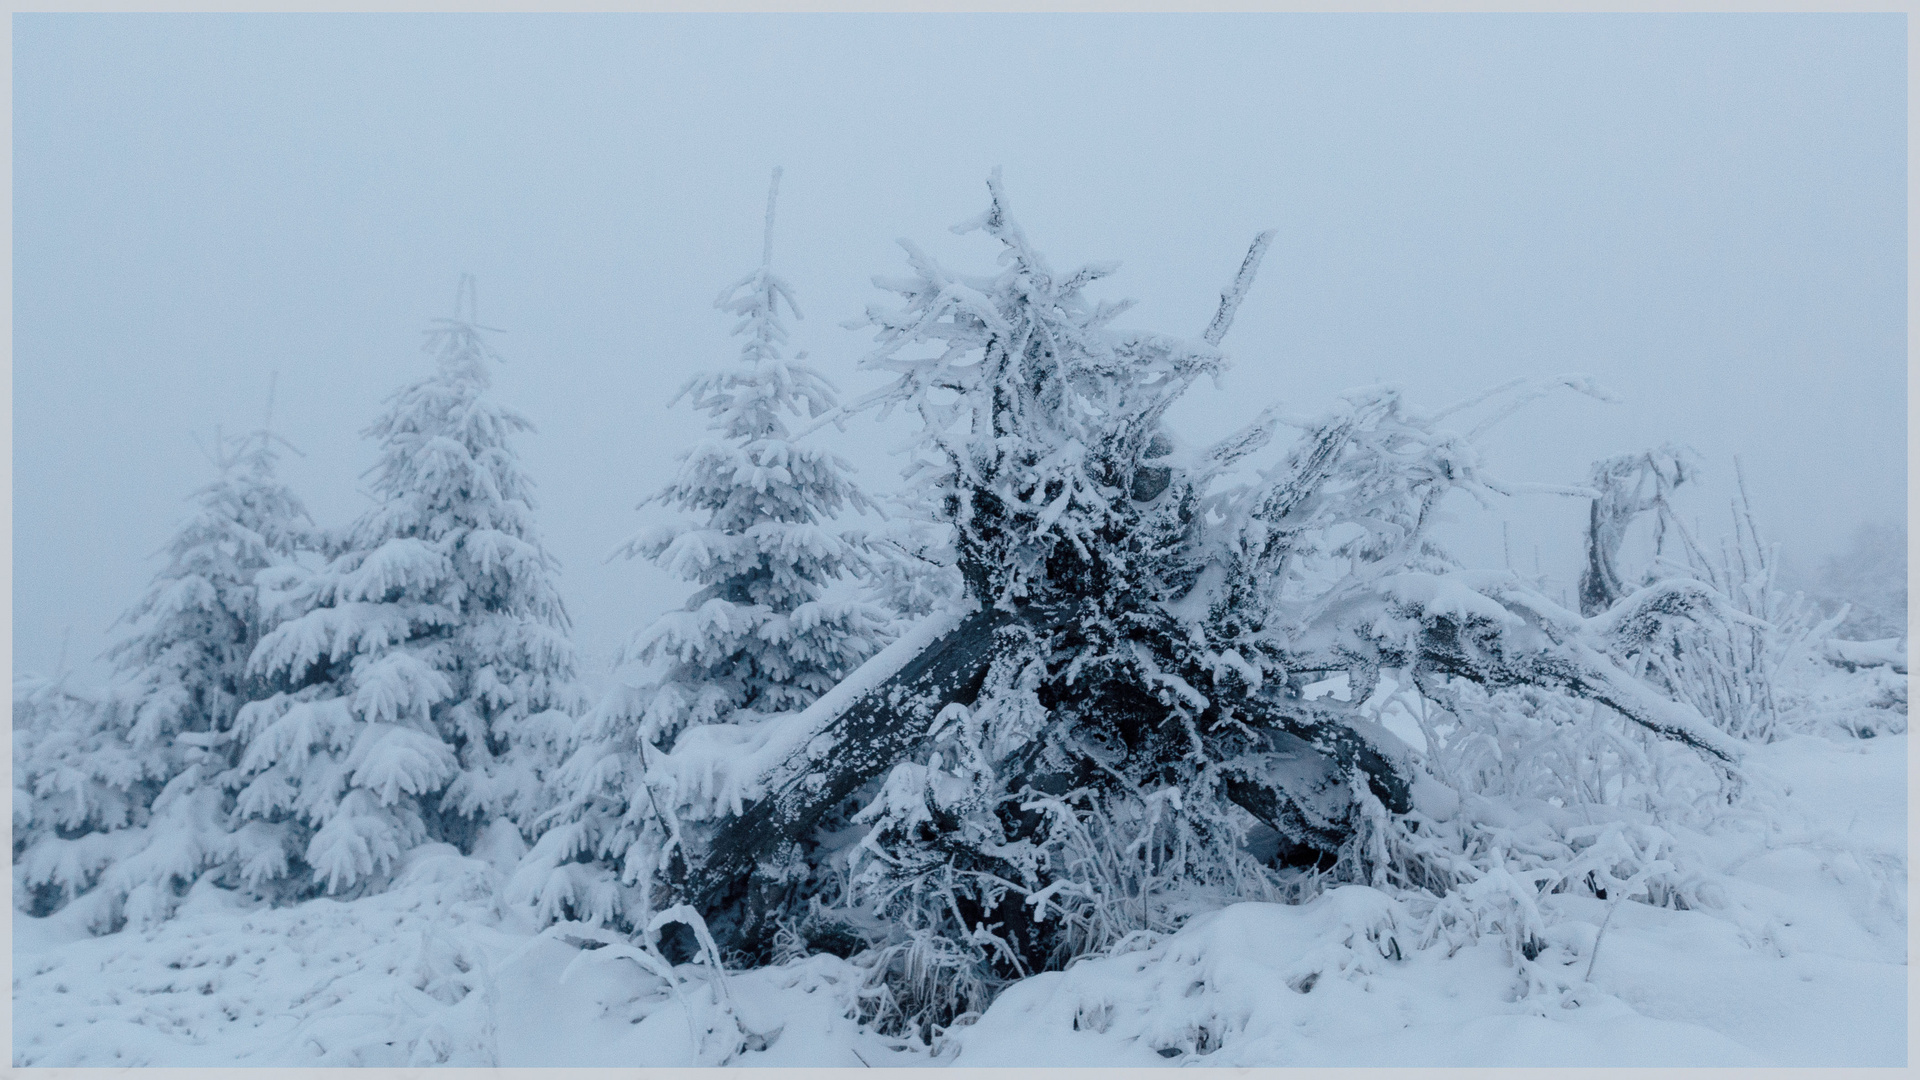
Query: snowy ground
{"points": [[1801, 962]]}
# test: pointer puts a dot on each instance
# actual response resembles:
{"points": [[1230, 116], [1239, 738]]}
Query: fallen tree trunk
{"points": [[1854, 655], [873, 734], [886, 724], [882, 727]]}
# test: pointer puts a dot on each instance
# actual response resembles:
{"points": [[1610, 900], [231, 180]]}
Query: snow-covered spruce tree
{"points": [[774, 622], [79, 793], [1082, 748], [119, 792], [424, 673], [914, 573]]}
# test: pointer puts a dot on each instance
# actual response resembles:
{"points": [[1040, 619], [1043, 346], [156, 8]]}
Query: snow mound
{"points": [[1331, 982]]}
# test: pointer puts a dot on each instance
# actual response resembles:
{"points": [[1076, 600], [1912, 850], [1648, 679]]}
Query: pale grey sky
{"points": [[1707, 213]]}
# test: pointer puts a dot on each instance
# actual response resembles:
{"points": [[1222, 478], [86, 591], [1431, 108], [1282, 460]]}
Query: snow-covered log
{"points": [[858, 732], [886, 709], [1515, 637], [1854, 655]]}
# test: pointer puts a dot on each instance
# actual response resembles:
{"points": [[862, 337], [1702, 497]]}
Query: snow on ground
{"points": [[1800, 960], [1803, 962]]}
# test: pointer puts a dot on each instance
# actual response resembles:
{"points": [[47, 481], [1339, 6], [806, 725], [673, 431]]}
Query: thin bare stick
{"points": [[1595, 955], [766, 243], [1230, 297]]}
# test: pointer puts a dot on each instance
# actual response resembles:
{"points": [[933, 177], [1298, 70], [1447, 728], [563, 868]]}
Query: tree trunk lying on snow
{"points": [[1474, 652], [882, 727], [873, 734], [1854, 655], [1295, 737]]}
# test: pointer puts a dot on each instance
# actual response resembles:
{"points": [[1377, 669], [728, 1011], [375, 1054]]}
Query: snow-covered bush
{"points": [[1563, 794], [1729, 662], [423, 675], [775, 622], [1730, 668], [121, 790], [1551, 794]]}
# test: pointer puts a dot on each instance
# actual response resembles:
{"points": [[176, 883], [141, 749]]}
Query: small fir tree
{"points": [[123, 787], [425, 671], [774, 624]]}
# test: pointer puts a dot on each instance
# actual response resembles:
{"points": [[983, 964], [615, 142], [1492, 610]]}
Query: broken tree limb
{"points": [[1476, 652], [1626, 487], [1231, 296]]}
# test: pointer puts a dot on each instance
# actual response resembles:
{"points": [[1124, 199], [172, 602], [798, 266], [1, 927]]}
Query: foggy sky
{"points": [[1706, 213]]}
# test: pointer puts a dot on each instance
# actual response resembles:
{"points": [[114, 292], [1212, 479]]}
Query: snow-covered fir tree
{"points": [[774, 623], [425, 672], [79, 792], [119, 792], [762, 635], [914, 572]]}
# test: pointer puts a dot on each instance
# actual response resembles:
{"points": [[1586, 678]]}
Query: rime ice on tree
{"points": [[1084, 747], [764, 633], [125, 786], [425, 670], [759, 636]]}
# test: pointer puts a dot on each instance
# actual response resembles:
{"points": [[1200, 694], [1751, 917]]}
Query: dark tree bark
{"points": [[876, 732], [884, 727], [1599, 582], [1628, 486]]}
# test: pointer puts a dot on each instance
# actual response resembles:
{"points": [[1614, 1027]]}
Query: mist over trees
{"points": [[1868, 577], [1092, 676]]}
